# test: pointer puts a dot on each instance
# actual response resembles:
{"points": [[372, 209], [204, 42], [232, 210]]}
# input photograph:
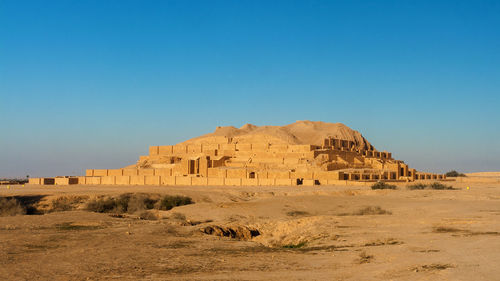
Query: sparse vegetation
{"points": [[297, 213], [444, 229], [388, 241], [383, 185], [434, 185], [72, 226], [464, 232], [432, 267], [11, 207], [66, 203], [417, 186], [454, 174], [132, 203], [364, 258], [370, 210], [168, 202], [295, 246], [439, 186]]}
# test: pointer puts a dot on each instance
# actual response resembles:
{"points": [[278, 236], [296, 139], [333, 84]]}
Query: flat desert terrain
{"points": [[258, 233]]}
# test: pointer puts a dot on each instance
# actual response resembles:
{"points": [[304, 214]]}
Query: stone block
{"points": [[183, 180], [236, 173], [146, 172], [308, 182], [216, 181], [266, 182], [163, 172], [130, 172], [34, 181], [209, 148], [100, 172], [199, 181], [89, 172], [165, 150], [278, 175], [152, 180], [194, 148], [61, 181], [110, 180], [179, 149], [137, 180], [278, 148], [244, 146], [284, 182], [115, 172], [249, 182], [232, 181], [301, 175], [82, 180], [167, 180], [291, 161], [122, 180], [300, 148], [93, 180], [154, 150]]}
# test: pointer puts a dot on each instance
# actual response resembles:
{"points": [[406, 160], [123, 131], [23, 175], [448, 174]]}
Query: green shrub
{"points": [[454, 174], [383, 185], [132, 203], [167, 202]]}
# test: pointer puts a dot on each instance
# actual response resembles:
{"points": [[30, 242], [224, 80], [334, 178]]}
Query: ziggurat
{"points": [[302, 153]]}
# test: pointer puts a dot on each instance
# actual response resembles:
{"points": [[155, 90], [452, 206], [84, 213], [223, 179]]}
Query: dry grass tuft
{"points": [[294, 246], [432, 267], [11, 207], [297, 213], [382, 185], [367, 211], [364, 258], [66, 203]]}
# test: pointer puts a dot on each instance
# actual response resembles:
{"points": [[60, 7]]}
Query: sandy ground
{"points": [[306, 233]]}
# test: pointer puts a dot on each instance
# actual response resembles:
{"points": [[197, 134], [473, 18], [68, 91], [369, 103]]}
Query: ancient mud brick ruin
{"points": [[302, 153]]}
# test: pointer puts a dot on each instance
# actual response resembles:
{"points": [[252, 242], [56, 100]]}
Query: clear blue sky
{"points": [[91, 84]]}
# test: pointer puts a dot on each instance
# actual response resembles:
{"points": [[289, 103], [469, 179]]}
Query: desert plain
{"points": [[257, 233]]}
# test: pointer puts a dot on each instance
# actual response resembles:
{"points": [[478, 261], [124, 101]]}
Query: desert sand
{"points": [[299, 233]]}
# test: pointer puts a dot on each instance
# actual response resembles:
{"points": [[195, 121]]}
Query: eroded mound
{"points": [[300, 132]]}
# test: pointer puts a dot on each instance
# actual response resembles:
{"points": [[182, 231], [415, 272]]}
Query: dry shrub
{"points": [[440, 186], [168, 202], [417, 186], [297, 213], [434, 185], [11, 207], [364, 258], [370, 210], [148, 215], [295, 246], [383, 185], [133, 203], [432, 267], [66, 203]]}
